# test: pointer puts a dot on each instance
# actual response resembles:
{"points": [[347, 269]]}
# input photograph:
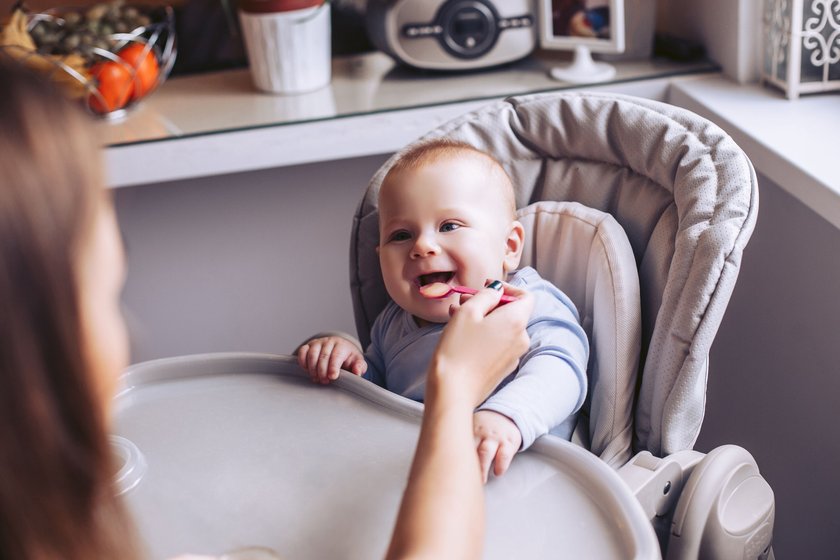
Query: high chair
{"points": [[651, 302], [639, 211]]}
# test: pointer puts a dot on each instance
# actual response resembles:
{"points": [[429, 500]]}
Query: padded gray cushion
{"points": [[586, 254], [684, 192]]}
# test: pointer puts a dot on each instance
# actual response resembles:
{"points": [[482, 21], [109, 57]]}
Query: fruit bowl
{"points": [[109, 56]]}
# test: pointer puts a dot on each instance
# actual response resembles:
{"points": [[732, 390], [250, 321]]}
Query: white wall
{"points": [[729, 29], [774, 378], [253, 261]]}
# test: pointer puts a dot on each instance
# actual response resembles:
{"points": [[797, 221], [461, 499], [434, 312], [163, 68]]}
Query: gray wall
{"points": [[774, 377], [252, 261], [730, 31], [258, 261]]}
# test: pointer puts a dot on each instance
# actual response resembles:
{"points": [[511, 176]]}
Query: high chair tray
{"points": [[230, 451]]}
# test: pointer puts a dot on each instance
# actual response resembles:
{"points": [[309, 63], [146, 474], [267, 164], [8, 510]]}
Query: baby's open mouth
{"points": [[432, 277]]}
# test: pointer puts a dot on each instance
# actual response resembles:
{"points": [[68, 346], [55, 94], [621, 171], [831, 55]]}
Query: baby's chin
{"points": [[426, 319]]}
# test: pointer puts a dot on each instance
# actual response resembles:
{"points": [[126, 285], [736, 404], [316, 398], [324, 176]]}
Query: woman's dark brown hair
{"points": [[56, 496]]}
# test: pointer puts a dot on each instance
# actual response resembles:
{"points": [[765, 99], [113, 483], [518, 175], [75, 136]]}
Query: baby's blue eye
{"points": [[400, 235], [449, 226]]}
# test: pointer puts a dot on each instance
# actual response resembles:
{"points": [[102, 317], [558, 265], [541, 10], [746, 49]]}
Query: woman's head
{"points": [[56, 229]]}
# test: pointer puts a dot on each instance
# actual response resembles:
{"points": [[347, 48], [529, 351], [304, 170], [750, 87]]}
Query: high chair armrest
{"points": [[657, 483]]}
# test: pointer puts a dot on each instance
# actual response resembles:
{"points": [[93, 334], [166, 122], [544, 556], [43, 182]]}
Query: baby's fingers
{"points": [[312, 358], [301, 356], [307, 356], [356, 363], [504, 455], [323, 364], [486, 452], [337, 359]]}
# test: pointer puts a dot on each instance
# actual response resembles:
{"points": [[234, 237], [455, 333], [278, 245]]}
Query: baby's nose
{"points": [[425, 246]]}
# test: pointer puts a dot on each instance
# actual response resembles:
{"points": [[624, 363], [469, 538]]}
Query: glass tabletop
{"points": [[227, 101]]}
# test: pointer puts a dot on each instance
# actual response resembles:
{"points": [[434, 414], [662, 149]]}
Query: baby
{"points": [[447, 214]]}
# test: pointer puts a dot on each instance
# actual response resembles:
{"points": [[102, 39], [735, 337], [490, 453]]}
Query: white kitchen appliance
{"points": [[453, 34]]}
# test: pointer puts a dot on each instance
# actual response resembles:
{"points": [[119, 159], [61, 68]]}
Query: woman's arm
{"points": [[442, 512]]}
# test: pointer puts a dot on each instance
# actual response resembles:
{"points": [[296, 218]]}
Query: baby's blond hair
{"points": [[431, 151]]}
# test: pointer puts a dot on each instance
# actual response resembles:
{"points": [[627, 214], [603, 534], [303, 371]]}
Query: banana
{"points": [[68, 71]]}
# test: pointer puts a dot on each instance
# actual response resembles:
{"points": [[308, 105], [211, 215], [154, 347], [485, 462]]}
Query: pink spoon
{"points": [[439, 290]]}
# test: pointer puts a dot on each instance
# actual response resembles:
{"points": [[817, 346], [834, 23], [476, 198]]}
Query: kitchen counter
{"points": [[217, 123]]}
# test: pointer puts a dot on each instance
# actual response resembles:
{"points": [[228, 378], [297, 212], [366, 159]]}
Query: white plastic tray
{"points": [[242, 450]]}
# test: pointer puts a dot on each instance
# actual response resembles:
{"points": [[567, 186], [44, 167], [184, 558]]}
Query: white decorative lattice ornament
{"points": [[801, 45]]}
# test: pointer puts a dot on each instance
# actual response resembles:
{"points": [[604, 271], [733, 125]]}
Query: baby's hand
{"points": [[323, 357], [497, 439]]}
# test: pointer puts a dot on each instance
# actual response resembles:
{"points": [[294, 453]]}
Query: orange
{"points": [[145, 65], [114, 83]]}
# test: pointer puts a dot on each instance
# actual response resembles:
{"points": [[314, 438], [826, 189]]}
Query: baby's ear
{"points": [[377, 249], [513, 246]]}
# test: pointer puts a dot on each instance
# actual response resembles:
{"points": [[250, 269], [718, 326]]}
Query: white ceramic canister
{"points": [[288, 43]]}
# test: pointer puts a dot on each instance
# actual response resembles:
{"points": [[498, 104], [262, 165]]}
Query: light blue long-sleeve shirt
{"points": [[542, 395]]}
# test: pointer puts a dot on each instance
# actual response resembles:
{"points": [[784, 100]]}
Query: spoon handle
{"points": [[472, 291]]}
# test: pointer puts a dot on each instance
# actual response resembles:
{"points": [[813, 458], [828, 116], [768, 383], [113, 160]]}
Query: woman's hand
{"points": [[480, 345], [442, 513]]}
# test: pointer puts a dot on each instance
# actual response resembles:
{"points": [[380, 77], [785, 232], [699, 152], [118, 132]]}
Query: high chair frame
{"points": [[687, 198]]}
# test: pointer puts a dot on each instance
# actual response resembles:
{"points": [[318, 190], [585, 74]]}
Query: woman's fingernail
{"points": [[495, 285]]}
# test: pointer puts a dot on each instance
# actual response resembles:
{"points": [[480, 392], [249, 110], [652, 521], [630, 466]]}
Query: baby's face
{"points": [[444, 222]]}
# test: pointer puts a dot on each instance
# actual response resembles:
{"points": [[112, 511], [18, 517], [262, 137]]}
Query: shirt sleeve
{"points": [[550, 384]]}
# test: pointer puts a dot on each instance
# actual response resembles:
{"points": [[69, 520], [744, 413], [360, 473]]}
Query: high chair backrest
{"points": [[586, 254], [682, 190]]}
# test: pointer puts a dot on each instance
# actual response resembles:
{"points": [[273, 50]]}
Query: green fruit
{"points": [[95, 13], [72, 18]]}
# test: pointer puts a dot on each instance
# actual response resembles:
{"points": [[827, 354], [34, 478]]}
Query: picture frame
{"points": [[595, 24], [582, 26]]}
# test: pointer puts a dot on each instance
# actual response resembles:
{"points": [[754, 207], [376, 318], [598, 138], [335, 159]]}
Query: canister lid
{"points": [[274, 6]]}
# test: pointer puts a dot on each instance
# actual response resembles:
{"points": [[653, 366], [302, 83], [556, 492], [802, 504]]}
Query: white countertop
{"points": [[217, 123]]}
